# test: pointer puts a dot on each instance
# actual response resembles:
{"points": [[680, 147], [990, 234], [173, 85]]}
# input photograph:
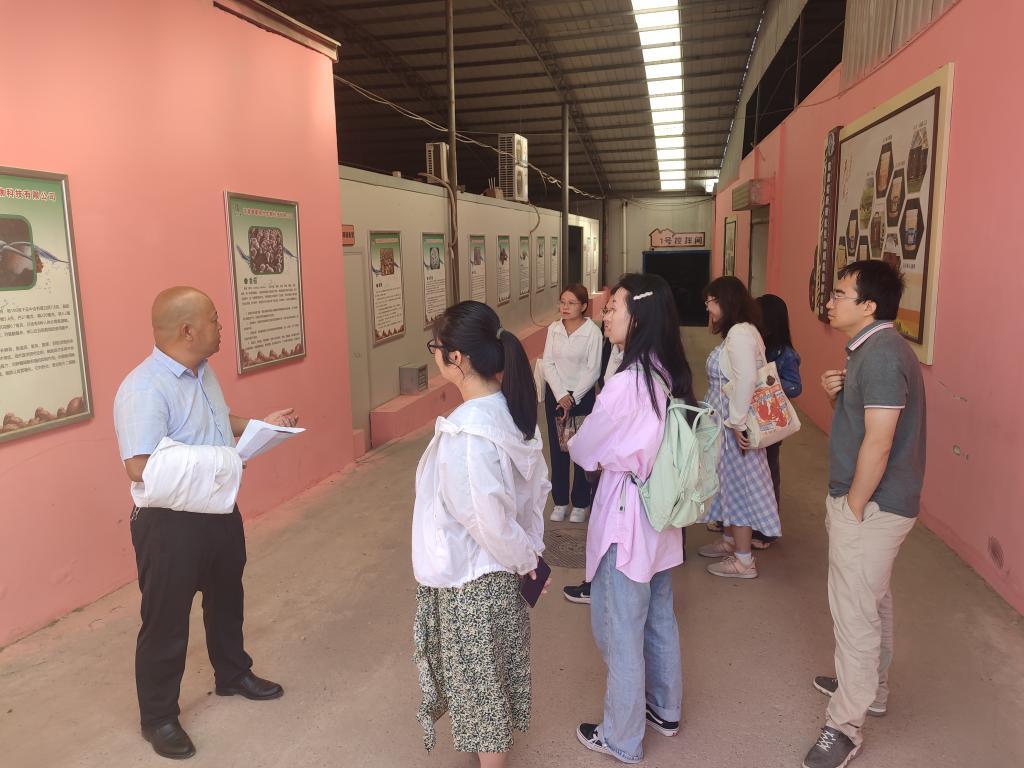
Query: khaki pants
{"points": [[860, 559]]}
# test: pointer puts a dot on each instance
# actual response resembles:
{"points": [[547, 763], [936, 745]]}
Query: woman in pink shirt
{"points": [[628, 562]]}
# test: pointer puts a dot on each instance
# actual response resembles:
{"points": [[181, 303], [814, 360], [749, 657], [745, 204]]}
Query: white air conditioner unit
{"points": [[513, 168], [437, 161]]}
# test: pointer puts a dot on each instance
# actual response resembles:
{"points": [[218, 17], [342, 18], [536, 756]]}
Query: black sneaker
{"points": [[580, 594], [833, 749], [829, 685], [590, 737], [664, 727]]}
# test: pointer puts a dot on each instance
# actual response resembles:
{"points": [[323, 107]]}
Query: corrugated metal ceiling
{"points": [[515, 63]]}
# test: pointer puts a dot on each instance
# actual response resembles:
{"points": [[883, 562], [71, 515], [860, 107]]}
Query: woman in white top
{"points": [[478, 527], [572, 363], [746, 497]]}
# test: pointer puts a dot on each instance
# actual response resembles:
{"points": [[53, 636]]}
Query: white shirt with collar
{"points": [[572, 363]]}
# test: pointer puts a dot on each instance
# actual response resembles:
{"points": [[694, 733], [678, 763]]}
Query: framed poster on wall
{"points": [[387, 296], [542, 273], [478, 268], [435, 277], [729, 248], [504, 269], [44, 373], [555, 264], [266, 277], [524, 267], [892, 178]]}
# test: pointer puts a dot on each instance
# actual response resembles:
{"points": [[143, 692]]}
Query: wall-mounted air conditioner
{"points": [[513, 167], [437, 161]]}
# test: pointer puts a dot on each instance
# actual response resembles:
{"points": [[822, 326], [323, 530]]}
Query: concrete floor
{"points": [[329, 611]]}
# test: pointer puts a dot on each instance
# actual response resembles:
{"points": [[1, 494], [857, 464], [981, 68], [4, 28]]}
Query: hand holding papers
{"points": [[259, 437]]}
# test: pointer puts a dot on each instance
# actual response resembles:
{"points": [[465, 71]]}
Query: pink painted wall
{"points": [[154, 109], [973, 496]]}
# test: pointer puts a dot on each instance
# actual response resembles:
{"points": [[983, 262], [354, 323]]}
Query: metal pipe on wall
{"points": [[453, 165], [565, 194]]}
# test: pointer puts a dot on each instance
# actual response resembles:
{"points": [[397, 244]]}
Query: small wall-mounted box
{"points": [[412, 379]]}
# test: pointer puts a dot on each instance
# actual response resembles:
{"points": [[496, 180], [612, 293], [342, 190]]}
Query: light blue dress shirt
{"points": [[162, 398]]}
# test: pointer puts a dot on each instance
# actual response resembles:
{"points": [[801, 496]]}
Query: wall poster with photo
{"points": [[435, 277], [266, 276], [729, 248], [478, 268], [555, 263], [892, 178], [387, 283], [524, 267], [542, 273], [44, 374], [504, 269]]}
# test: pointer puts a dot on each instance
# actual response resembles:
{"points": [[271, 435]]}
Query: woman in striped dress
{"points": [[746, 497]]}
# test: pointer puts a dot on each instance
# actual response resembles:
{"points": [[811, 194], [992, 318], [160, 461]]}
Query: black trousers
{"points": [[179, 554], [560, 460]]}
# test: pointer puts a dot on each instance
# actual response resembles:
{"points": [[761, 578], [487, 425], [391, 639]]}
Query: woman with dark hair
{"points": [[745, 499], [572, 364], [779, 350], [628, 562], [478, 528]]}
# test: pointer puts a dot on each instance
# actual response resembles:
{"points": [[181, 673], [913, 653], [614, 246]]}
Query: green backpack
{"points": [[685, 472]]}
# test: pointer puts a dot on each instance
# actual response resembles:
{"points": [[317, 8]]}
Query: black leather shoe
{"points": [[169, 740], [252, 687]]}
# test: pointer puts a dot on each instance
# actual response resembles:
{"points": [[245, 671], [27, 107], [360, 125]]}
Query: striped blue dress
{"points": [[745, 495]]}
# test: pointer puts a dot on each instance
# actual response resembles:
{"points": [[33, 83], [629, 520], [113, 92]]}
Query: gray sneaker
{"points": [[829, 685], [833, 749]]}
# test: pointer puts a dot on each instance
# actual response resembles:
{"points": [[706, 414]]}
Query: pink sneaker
{"points": [[719, 548], [732, 568]]}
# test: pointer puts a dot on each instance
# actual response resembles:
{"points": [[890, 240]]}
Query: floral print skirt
{"points": [[472, 651]]}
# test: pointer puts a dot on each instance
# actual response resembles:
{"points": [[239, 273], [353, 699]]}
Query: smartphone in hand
{"points": [[531, 588]]}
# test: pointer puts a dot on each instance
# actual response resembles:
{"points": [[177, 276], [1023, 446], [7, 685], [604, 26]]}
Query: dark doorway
{"points": [[687, 273], [575, 255]]}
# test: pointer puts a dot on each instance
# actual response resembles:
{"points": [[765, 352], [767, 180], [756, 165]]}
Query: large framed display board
{"points": [[266, 277], [435, 278], [44, 372], [387, 295], [892, 179]]}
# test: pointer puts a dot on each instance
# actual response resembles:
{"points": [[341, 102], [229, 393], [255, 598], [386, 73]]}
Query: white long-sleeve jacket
{"points": [[480, 495], [190, 478], [741, 359]]}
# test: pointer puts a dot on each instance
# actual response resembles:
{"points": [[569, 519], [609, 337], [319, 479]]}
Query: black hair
{"points": [[474, 329], [879, 282], [653, 336], [775, 319], [736, 303]]}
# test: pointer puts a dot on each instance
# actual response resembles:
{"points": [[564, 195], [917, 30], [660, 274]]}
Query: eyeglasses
{"points": [[837, 296], [710, 300], [434, 346]]}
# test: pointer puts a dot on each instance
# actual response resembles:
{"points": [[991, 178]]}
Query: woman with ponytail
{"points": [[478, 529], [628, 562]]}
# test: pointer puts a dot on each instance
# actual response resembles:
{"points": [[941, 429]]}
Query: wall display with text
{"points": [[524, 267], [555, 263], [541, 273], [892, 177], [435, 277], [667, 238], [478, 268], [827, 246], [729, 248], [266, 276], [387, 283], [44, 376], [504, 269]]}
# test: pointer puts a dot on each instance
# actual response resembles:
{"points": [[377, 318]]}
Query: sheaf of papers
{"points": [[259, 437]]}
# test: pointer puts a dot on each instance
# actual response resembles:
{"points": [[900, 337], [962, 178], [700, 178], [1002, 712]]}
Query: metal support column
{"points": [[565, 194], [453, 166]]}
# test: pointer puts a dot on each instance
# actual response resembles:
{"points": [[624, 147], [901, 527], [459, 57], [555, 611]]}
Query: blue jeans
{"points": [[635, 628]]}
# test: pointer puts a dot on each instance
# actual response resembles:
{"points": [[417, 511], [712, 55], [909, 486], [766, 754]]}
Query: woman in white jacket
{"points": [[746, 497], [478, 528]]}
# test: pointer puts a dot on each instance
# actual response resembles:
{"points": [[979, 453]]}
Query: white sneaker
{"points": [[559, 512], [578, 514]]}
